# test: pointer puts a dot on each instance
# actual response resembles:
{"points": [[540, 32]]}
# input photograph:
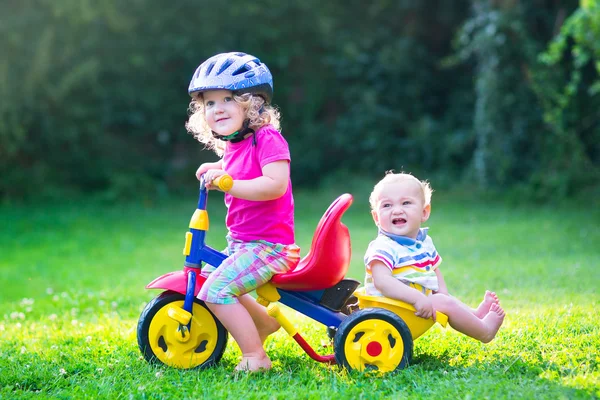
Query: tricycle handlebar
{"points": [[223, 182]]}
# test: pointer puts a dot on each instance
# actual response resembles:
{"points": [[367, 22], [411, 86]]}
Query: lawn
{"points": [[73, 278]]}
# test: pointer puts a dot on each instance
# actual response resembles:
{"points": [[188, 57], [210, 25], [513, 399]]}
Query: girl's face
{"points": [[400, 209], [222, 113]]}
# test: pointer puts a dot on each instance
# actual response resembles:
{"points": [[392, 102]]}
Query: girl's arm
{"points": [[441, 282], [391, 287], [270, 186]]}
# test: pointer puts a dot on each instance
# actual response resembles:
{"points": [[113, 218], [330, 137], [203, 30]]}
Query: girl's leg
{"points": [[265, 324], [238, 321], [462, 319], [249, 266]]}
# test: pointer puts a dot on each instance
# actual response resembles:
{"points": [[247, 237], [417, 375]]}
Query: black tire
{"points": [[373, 339], [160, 340]]}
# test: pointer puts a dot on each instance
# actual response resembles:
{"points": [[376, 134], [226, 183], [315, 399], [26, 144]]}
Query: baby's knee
{"points": [[442, 302]]}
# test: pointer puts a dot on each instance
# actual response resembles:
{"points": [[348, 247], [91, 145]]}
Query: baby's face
{"points": [[223, 114], [400, 208]]}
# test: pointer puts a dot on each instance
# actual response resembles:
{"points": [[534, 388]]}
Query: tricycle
{"points": [[177, 329]]}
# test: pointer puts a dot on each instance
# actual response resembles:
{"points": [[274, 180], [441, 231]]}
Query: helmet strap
{"points": [[237, 136]]}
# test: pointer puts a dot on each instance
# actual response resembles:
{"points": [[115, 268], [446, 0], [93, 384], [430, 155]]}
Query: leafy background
{"points": [[495, 95]]}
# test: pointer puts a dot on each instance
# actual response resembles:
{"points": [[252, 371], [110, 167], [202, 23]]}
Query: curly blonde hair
{"points": [[257, 111], [390, 178]]}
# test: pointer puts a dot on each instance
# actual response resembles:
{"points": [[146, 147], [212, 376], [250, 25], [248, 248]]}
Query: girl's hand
{"points": [[210, 176], [425, 308], [205, 167]]}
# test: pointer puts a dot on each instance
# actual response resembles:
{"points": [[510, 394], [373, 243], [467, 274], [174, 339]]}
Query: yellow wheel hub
{"points": [[374, 344], [174, 345]]}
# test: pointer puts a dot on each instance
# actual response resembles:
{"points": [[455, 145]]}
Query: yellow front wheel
{"points": [[163, 338], [373, 339]]}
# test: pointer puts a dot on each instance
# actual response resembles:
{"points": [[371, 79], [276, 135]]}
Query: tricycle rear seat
{"points": [[328, 259]]}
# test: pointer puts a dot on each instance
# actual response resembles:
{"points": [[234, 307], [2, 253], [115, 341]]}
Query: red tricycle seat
{"points": [[329, 256]]}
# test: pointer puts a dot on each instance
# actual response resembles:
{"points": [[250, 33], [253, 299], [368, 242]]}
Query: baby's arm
{"points": [[441, 282], [270, 186], [391, 287]]}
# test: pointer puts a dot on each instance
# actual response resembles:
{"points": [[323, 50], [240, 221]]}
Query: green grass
{"points": [[73, 280]]}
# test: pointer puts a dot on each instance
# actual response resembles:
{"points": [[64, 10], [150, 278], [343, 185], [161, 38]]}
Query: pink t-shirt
{"points": [[247, 220]]}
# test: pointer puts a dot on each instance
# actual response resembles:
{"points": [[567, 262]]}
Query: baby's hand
{"points": [[425, 308]]}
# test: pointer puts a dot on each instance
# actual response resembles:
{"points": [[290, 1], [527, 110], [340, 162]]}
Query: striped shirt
{"points": [[410, 260]]}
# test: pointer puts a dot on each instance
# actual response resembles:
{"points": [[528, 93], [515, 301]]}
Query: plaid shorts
{"points": [[249, 265]]}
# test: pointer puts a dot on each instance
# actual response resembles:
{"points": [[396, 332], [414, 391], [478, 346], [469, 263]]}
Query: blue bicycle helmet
{"points": [[238, 72]]}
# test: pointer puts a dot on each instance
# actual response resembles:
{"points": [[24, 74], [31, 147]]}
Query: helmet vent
{"points": [[224, 66], [209, 68], [242, 69]]}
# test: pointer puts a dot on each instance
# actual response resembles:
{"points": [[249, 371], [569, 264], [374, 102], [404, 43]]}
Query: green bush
{"points": [[94, 94]]}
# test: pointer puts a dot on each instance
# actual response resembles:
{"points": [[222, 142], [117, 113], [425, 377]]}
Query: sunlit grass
{"points": [[73, 280]]}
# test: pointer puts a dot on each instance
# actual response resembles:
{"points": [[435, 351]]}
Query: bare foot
{"points": [[493, 320], [484, 308], [254, 364], [268, 327]]}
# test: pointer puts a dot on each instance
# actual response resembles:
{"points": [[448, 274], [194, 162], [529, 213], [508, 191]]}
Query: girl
{"points": [[231, 114]]}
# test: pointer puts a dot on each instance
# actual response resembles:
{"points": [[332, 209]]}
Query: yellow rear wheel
{"points": [[162, 339], [373, 339]]}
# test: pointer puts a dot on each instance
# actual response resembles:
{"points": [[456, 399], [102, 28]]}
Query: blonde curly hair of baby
{"points": [[390, 178], [250, 103]]}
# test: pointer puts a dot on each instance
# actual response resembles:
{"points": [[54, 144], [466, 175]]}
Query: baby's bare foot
{"points": [[493, 320], [484, 308], [254, 364]]}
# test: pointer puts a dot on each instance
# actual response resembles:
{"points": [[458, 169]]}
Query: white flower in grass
{"points": [[159, 374], [23, 350], [29, 309], [99, 370], [101, 303], [52, 317], [49, 291], [17, 315], [27, 302], [88, 339], [64, 295], [114, 304], [18, 325], [62, 371], [55, 297], [54, 347], [74, 311], [74, 322], [2, 328]]}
